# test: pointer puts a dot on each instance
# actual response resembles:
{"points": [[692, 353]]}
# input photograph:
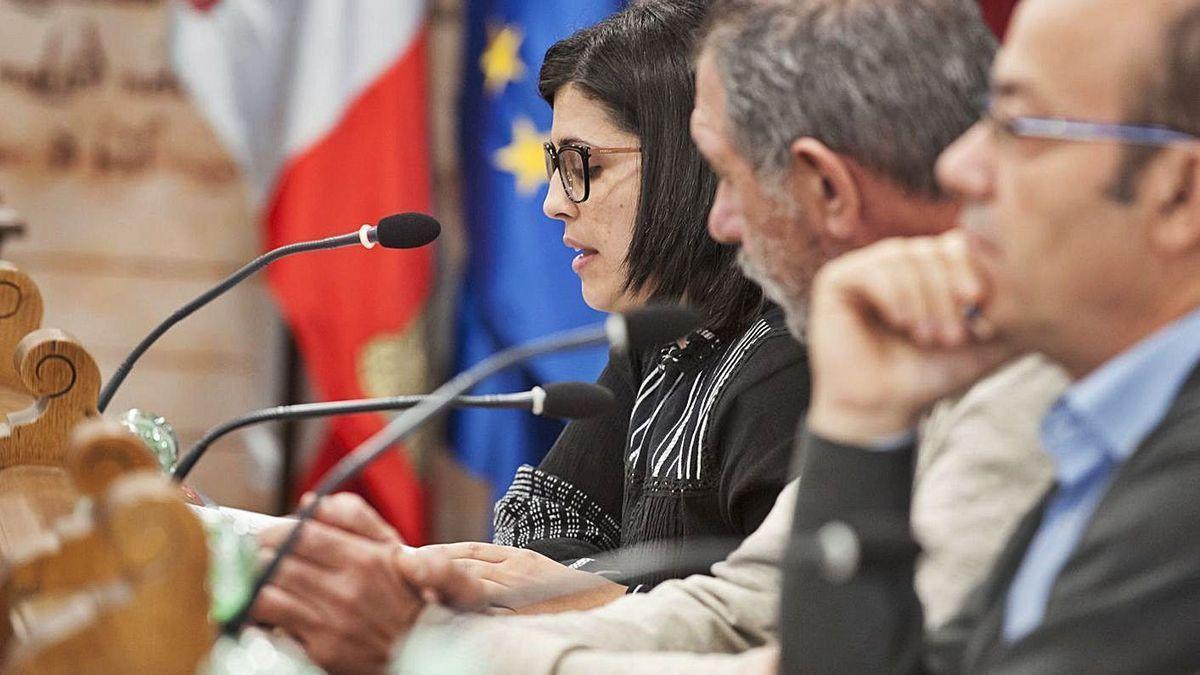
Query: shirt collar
{"points": [[1121, 402]]}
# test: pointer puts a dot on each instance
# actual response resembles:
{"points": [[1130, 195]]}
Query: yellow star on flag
{"points": [[501, 61], [524, 157]]}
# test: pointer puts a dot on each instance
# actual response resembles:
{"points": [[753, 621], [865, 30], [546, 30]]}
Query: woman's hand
{"points": [[526, 582]]}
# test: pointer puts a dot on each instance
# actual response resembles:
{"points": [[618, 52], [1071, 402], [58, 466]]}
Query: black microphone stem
{"points": [[443, 397], [110, 388], [308, 410], [403, 425]]}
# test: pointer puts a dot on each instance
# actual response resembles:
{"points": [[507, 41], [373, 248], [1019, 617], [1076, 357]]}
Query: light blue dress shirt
{"points": [[1097, 424]]}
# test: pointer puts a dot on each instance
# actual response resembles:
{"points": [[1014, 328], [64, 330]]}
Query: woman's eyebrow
{"points": [[573, 140]]}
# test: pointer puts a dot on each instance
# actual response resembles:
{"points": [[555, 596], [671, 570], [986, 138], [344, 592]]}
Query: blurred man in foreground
{"points": [[1081, 239]]}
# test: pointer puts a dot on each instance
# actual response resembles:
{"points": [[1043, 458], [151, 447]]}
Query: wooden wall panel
{"points": [[133, 209]]}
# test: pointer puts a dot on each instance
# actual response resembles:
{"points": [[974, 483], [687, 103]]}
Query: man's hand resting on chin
{"points": [[894, 327]]}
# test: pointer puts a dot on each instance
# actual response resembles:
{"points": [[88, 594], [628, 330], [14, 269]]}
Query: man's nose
{"points": [[965, 167], [725, 219]]}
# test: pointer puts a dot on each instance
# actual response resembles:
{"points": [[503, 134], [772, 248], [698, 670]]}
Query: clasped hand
{"points": [[349, 590]]}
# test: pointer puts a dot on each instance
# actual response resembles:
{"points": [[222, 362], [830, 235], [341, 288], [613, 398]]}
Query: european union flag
{"points": [[519, 284]]}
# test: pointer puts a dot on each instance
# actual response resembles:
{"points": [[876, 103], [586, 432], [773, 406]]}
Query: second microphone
{"points": [[565, 400]]}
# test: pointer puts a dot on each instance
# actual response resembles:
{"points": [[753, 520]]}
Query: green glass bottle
{"points": [[157, 433], [231, 569]]}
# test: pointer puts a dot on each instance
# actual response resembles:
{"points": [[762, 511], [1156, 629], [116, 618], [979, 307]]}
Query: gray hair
{"points": [[890, 83]]}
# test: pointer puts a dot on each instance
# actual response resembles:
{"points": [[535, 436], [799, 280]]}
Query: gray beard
{"points": [[795, 310]]}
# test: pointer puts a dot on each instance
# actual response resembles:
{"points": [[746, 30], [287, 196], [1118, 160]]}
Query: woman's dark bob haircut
{"points": [[637, 63]]}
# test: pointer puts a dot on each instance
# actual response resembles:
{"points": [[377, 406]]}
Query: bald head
{"points": [[1142, 65], [1089, 243], [1117, 38]]}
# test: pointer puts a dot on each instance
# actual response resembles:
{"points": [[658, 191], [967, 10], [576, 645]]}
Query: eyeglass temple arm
{"points": [[612, 151]]}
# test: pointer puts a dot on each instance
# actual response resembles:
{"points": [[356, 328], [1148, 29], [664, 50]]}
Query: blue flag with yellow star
{"points": [[519, 284]]}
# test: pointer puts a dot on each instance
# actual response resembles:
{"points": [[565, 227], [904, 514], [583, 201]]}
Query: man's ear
{"points": [[1172, 184], [839, 196]]}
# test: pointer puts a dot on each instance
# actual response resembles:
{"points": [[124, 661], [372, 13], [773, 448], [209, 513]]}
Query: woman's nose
{"points": [[556, 204]]}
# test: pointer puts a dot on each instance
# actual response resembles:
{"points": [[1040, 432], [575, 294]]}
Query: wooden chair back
{"points": [[119, 584]]}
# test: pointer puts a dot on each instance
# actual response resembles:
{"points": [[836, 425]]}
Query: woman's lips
{"points": [[585, 254]]}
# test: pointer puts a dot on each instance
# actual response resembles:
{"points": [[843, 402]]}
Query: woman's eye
{"points": [[595, 171]]}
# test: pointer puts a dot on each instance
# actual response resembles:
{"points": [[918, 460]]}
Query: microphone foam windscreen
{"points": [[658, 325], [407, 230], [576, 400]]}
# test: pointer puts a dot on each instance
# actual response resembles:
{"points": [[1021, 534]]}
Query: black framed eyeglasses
{"points": [[572, 164]]}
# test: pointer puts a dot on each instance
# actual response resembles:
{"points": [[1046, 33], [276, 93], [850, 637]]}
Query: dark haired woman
{"points": [[700, 444]]}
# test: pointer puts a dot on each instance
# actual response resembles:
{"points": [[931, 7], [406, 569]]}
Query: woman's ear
{"points": [[839, 197]]}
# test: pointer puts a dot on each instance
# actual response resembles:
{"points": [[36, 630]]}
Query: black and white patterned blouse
{"points": [[698, 446]]}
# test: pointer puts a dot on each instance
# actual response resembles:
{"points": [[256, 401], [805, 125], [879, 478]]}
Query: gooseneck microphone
{"points": [[401, 230], [633, 332], [566, 400], [837, 551]]}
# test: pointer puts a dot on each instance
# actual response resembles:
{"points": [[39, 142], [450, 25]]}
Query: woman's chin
{"points": [[599, 304], [609, 303]]}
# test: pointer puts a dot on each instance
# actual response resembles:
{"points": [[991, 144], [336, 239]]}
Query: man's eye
{"points": [[1008, 127]]}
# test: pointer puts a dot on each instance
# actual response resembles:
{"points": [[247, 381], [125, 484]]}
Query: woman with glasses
{"points": [[700, 442]]}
